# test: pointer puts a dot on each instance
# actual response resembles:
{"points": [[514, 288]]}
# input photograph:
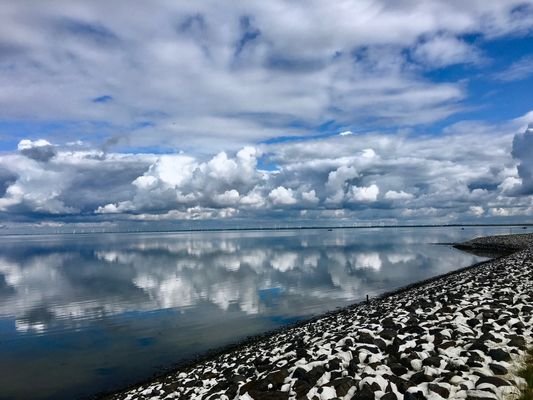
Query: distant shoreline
{"points": [[263, 229]]}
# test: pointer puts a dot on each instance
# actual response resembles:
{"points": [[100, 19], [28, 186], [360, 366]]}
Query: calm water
{"points": [[80, 314]]}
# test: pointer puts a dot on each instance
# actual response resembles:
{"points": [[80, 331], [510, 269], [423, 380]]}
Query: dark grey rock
{"points": [[413, 329], [432, 361], [366, 393], [518, 325], [371, 349], [472, 322], [527, 308], [315, 374], [498, 369], [389, 323], [479, 345], [401, 384], [420, 377], [277, 378], [333, 364], [517, 341], [254, 386], [492, 380], [414, 396], [380, 343], [342, 385], [301, 388], [440, 390], [474, 396], [335, 375], [388, 334], [232, 390], [447, 344], [397, 368], [365, 338], [274, 395], [499, 355], [301, 353], [487, 336]]}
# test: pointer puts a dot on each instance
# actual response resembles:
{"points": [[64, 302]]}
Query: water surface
{"points": [[81, 314]]}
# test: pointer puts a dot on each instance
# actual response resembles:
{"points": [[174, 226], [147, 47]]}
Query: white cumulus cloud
{"points": [[282, 196], [364, 194]]}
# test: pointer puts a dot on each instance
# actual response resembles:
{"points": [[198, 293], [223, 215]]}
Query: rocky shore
{"points": [[504, 244], [460, 336]]}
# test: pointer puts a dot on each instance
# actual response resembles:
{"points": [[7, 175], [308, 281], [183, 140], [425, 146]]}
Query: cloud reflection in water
{"points": [[60, 281]]}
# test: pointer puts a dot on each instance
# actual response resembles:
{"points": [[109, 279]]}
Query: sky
{"points": [[170, 112]]}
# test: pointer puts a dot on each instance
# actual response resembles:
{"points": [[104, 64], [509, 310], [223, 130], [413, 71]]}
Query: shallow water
{"points": [[82, 314]]}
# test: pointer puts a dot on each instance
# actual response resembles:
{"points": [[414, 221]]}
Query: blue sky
{"points": [[353, 111]]}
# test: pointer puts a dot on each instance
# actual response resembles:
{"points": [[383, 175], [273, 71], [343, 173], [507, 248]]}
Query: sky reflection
{"points": [[146, 301]]}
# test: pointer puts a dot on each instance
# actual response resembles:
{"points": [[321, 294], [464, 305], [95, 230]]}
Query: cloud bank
{"points": [[374, 176]]}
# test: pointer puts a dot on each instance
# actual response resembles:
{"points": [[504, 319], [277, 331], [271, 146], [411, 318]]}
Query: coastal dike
{"points": [[463, 335]]}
